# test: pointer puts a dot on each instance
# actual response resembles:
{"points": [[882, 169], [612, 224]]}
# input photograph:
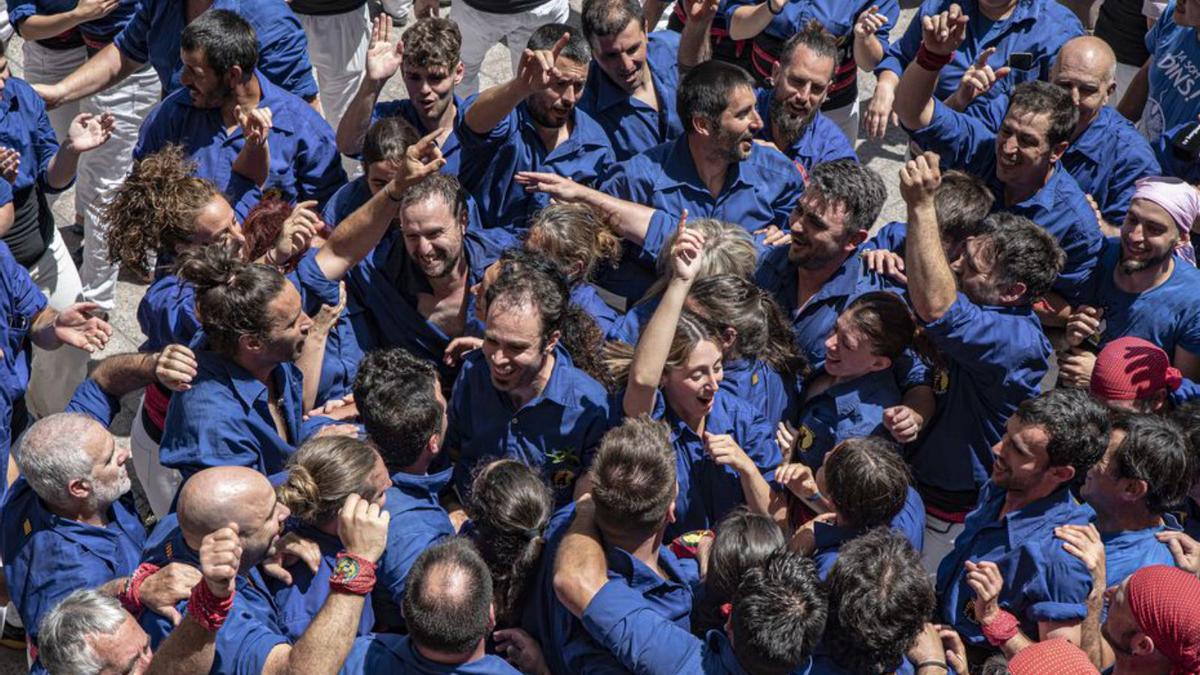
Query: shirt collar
{"points": [[718, 644], [1028, 522], [831, 537], [559, 387], [282, 117], [1097, 137], [608, 93], [121, 523], [639, 576], [422, 485], [245, 386]]}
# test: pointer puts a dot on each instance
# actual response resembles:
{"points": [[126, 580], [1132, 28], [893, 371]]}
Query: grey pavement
{"points": [[885, 157]]}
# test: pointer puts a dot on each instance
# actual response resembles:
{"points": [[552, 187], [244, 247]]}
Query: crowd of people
{"points": [[608, 367]]}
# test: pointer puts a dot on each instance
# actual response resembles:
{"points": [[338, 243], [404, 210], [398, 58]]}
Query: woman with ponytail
{"points": [[322, 473], [577, 240]]}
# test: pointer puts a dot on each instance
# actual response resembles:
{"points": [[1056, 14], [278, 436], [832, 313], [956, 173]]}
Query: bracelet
{"points": [[207, 609], [352, 574], [934, 663], [131, 595], [930, 61], [1001, 629], [772, 11], [387, 190]]}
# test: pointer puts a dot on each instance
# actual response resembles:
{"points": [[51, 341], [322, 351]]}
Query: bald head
{"points": [[1089, 53], [213, 498], [1086, 68]]}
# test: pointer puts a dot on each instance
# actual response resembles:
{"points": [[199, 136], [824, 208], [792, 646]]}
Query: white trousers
{"points": [[55, 374], [337, 47], [483, 30], [102, 170], [159, 482], [847, 119], [939, 541], [49, 66]]}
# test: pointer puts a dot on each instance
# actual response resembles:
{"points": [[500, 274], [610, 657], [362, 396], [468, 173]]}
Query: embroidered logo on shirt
{"points": [[941, 381], [805, 437], [27, 527]]}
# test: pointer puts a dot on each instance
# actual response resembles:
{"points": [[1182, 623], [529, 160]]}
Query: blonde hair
{"points": [[323, 472], [689, 332], [728, 249]]}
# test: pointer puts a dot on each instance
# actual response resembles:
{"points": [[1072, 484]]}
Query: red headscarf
{"points": [[1056, 656], [1165, 602], [1130, 368]]}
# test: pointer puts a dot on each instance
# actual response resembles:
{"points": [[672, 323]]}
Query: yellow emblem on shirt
{"points": [[27, 527], [805, 437]]}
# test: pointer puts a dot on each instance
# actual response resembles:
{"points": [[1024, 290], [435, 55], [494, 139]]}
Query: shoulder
{"points": [[772, 162]]}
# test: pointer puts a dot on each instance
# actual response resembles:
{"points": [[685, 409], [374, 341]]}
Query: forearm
{"points": [[650, 355], [922, 401], [352, 129], [630, 219], [41, 333], [61, 169], [931, 285], [312, 359], [253, 161], [580, 570], [106, 68], [868, 52], [357, 235], [914, 96], [494, 105], [189, 648], [755, 488], [42, 26], [694, 45], [750, 20], [113, 587], [1134, 101], [326, 642], [1091, 641], [652, 10], [124, 373]]}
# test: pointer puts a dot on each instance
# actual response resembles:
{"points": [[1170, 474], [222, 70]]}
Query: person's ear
{"points": [[79, 488], [1141, 645], [1063, 474], [235, 76], [859, 237], [1058, 151], [702, 126], [249, 343], [1014, 292], [879, 363], [728, 337], [774, 76], [1134, 490], [552, 342], [434, 445], [460, 71]]}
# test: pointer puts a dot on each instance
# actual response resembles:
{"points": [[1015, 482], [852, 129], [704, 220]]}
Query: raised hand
{"points": [[701, 10], [984, 579], [255, 124], [559, 188], [1083, 323], [458, 349], [426, 8], [421, 159], [75, 326], [537, 70], [725, 451], [869, 22], [288, 550], [220, 558], [687, 253], [920, 178], [363, 527], [168, 587], [798, 479], [175, 367], [88, 131], [979, 78], [887, 263], [383, 59], [10, 164], [944, 33], [296, 233]]}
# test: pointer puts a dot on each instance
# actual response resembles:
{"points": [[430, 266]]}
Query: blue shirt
{"points": [[850, 409], [772, 394], [397, 654], [489, 161], [346, 200], [252, 629], [556, 433], [305, 163], [167, 313], [154, 33], [224, 419], [25, 127], [994, 358], [342, 351], [1038, 27], [759, 191], [1128, 551], [585, 295], [632, 125], [821, 141], [405, 108], [707, 490], [383, 294], [418, 521], [1174, 90], [1106, 160], [102, 29], [300, 601], [1166, 315], [20, 302], [46, 556], [1042, 582], [1060, 207], [910, 522]]}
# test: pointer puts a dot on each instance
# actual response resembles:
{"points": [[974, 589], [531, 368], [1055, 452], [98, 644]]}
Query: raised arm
{"points": [[694, 45], [536, 72], [650, 356], [580, 569], [941, 35], [383, 61], [748, 21], [931, 285], [868, 48], [630, 219], [1134, 101], [87, 132], [361, 231]]}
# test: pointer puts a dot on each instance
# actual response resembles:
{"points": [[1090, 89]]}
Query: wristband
{"points": [[930, 61], [207, 609], [131, 595], [1001, 629], [352, 574], [932, 663], [772, 11], [387, 190]]}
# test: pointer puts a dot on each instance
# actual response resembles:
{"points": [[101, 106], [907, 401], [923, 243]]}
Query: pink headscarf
{"points": [[1180, 200]]}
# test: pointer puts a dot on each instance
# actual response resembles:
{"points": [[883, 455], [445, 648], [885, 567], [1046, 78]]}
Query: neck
{"points": [[81, 512], [552, 136], [259, 370], [1015, 500], [1128, 518], [448, 658], [645, 550], [247, 95], [815, 277], [1018, 191], [419, 467], [1083, 126], [1144, 280], [524, 395], [457, 278], [1128, 664], [444, 121], [996, 14], [711, 169]]}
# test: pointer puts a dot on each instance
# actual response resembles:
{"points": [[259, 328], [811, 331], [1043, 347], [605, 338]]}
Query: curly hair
{"points": [[263, 225], [155, 209]]}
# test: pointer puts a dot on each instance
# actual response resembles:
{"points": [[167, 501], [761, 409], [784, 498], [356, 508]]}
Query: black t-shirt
{"points": [[33, 226], [1122, 25], [326, 7], [503, 6]]}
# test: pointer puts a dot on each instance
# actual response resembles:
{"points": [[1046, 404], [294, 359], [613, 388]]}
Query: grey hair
{"points": [[859, 189], [63, 636], [728, 249], [50, 455]]}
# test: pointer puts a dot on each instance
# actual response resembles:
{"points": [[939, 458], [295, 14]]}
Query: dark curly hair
{"points": [[778, 614], [744, 540], [1077, 424], [397, 402]]}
